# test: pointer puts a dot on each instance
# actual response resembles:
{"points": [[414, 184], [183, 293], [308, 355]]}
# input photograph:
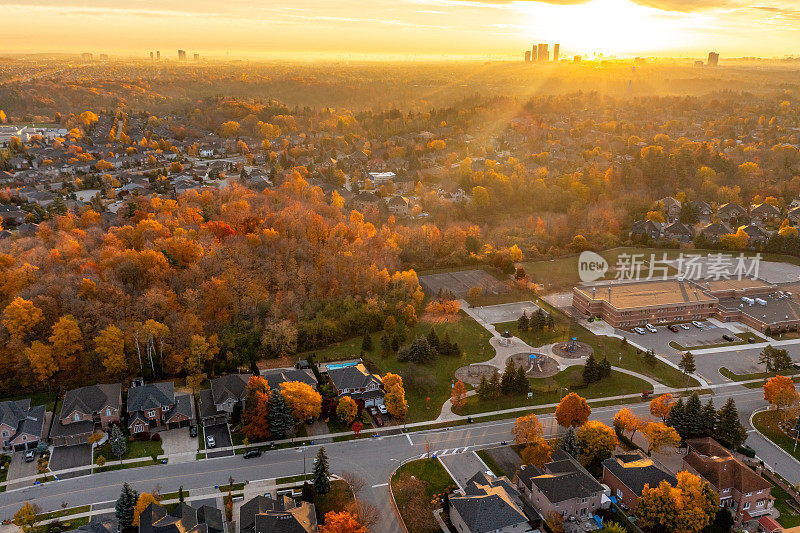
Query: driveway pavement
{"points": [[318, 428], [222, 436], [179, 445], [462, 466], [506, 458], [18, 468], [64, 457]]}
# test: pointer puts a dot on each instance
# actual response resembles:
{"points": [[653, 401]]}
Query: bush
{"points": [[156, 437], [747, 451]]}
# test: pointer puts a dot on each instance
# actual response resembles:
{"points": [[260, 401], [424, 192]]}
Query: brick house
{"points": [[741, 490], [488, 504], [732, 213], [86, 410], [627, 475], [21, 425], [358, 383], [564, 487], [764, 214], [154, 407]]}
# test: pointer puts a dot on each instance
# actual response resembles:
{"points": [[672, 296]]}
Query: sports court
{"points": [[461, 281]]}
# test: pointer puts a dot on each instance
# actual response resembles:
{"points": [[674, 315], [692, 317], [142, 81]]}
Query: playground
{"points": [[572, 349]]}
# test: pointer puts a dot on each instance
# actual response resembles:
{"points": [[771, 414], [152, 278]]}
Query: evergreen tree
{"points": [[521, 384], [523, 323], [455, 349], [395, 343], [550, 322], [687, 365], [321, 479], [433, 340], [604, 368], [569, 443], [677, 418], [446, 347], [729, 430], [494, 385], [181, 496], [386, 343], [538, 321], [650, 357], [590, 371], [366, 344], [484, 392], [308, 492], [508, 381], [126, 503], [693, 414], [281, 423], [119, 445], [709, 419]]}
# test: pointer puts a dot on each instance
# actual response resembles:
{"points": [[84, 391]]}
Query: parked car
{"points": [[30, 455], [382, 409], [651, 328], [373, 411], [673, 328], [697, 324], [252, 454], [210, 441], [751, 340], [638, 330], [729, 338], [193, 431], [685, 326], [379, 421]]}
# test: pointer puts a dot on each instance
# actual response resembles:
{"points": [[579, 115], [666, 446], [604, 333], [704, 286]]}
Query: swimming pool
{"points": [[337, 366]]}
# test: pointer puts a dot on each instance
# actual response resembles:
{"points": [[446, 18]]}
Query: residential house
{"points": [[794, 215], [764, 214], [365, 199], [678, 231], [488, 504], [277, 376], [646, 228], [672, 208], [263, 514], [216, 405], [732, 213], [21, 425], [154, 407], [702, 210], [564, 487], [358, 383], [12, 215], [756, 235], [86, 410], [399, 206], [182, 519], [627, 475], [740, 489], [715, 231]]}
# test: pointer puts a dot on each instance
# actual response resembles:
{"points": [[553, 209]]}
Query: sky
{"points": [[402, 29]]}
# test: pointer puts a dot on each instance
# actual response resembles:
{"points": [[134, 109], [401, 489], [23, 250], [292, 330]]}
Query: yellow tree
{"points": [[688, 507], [780, 392], [303, 400], [458, 396], [110, 346], [25, 518], [660, 436], [625, 420], [527, 429], [346, 410], [537, 452], [395, 395], [41, 359], [572, 411], [144, 500], [596, 442], [661, 406], [20, 316], [67, 341]]}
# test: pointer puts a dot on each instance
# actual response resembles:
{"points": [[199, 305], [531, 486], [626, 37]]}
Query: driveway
{"points": [[222, 436], [64, 457], [462, 466], [178, 445], [318, 428], [507, 459], [18, 469]]}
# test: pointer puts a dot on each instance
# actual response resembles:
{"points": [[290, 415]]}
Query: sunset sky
{"points": [[421, 29]]}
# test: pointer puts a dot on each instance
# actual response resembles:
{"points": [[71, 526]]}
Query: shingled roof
{"points": [[635, 470], [263, 514], [91, 399], [720, 468], [151, 396], [230, 387], [488, 504], [352, 377], [561, 479]]}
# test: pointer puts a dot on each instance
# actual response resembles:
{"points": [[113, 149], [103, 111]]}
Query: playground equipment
{"points": [[572, 345]]}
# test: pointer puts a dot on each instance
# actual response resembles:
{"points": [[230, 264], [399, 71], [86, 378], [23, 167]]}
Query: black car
{"points": [[192, 431], [673, 329], [252, 454], [728, 338]]}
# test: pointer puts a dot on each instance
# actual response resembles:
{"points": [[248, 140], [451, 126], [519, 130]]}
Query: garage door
{"points": [[174, 425]]}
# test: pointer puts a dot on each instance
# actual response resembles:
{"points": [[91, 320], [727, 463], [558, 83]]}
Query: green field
{"points": [[432, 380], [136, 449], [767, 423], [551, 390]]}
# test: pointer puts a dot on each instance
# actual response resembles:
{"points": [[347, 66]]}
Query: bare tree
{"points": [[366, 512], [355, 481]]}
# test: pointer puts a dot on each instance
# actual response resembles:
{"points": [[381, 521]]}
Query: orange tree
{"points": [[661, 406], [688, 507], [596, 442], [572, 411], [781, 392], [303, 400]]}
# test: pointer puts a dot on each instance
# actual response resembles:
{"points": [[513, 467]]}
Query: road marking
{"points": [[380, 485], [411, 442]]}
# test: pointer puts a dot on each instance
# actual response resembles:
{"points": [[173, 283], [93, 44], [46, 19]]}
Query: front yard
{"points": [[136, 450], [767, 423], [417, 487]]}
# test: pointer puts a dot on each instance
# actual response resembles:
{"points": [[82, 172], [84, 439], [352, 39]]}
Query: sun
{"points": [[617, 27]]}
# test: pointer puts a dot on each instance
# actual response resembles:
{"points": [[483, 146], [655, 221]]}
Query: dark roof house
{"points": [[182, 519], [488, 504], [263, 514]]}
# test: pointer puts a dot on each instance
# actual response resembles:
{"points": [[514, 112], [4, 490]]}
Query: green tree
{"points": [[386, 344], [569, 443], [321, 475], [126, 504], [604, 368], [677, 418], [366, 343], [25, 518], [693, 413], [523, 323], [281, 423], [729, 430], [708, 419], [119, 444], [775, 359], [687, 365], [433, 340], [590, 370], [508, 381], [650, 357], [521, 383], [494, 385], [484, 392]]}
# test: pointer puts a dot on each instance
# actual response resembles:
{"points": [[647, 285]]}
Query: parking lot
{"points": [[692, 339], [64, 457], [222, 437], [461, 281]]}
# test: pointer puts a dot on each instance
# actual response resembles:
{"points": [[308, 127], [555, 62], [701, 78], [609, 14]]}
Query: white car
{"points": [[697, 324], [684, 326], [382, 409], [651, 328], [638, 330], [211, 441]]}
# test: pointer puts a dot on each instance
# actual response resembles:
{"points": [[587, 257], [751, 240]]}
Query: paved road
{"points": [[374, 459]]}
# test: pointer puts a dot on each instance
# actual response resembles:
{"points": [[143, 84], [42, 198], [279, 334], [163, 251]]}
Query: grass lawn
{"points": [[496, 469], [767, 423], [64, 512], [789, 516], [550, 390], [338, 499], [471, 338], [429, 471], [565, 329], [124, 466], [136, 449]]}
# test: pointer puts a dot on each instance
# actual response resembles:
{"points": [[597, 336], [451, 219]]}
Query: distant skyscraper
{"points": [[542, 54], [527, 56], [197, 57], [576, 59], [181, 55], [533, 53], [151, 56], [103, 57], [713, 59], [86, 56], [555, 52], [158, 55]]}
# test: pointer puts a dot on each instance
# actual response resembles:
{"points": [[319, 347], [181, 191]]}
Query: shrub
{"points": [[156, 437]]}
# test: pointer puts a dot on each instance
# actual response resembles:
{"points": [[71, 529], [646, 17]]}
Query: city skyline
{"points": [[421, 29]]}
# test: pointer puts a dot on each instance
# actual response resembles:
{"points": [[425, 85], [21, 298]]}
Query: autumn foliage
{"points": [[572, 411]]}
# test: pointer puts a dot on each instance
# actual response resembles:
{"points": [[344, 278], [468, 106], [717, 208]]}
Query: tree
{"points": [[255, 421], [687, 365], [142, 503], [775, 359], [537, 452], [346, 410], [554, 521], [126, 504], [419, 351], [661, 406], [67, 341], [458, 396], [494, 385], [693, 415], [688, 507], [780, 392], [523, 323], [508, 380], [366, 343], [110, 346], [569, 443], [596, 442], [395, 396], [119, 444], [573, 411], [613, 527], [341, 522], [526, 429], [521, 383], [650, 357], [708, 418], [484, 393], [303, 400], [279, 416], [729, 430], [625, 420], [433, 340], [20, 316], [321, 474], [590, 371], [357, 427], [25, 518], [41, 360], [660, 436]]}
